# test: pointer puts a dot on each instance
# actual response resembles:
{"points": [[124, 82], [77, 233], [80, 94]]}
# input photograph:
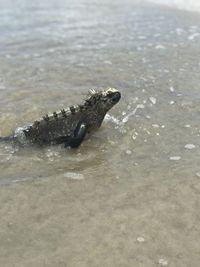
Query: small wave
{"points": [[8, 181], [121, 122], [132, 113], [111, 118], [191, 5]]}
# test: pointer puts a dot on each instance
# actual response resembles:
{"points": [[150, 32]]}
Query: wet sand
{"points": [[100, 222], [129, 196]]}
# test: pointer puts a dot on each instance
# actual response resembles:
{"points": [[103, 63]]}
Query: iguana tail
{"points": [[7, 138]]}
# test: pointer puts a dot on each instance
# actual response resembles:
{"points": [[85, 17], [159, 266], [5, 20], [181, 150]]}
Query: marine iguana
{"points": [[68, 126]]}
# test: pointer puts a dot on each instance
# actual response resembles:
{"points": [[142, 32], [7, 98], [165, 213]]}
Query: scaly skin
{"points": [[70, 125]]}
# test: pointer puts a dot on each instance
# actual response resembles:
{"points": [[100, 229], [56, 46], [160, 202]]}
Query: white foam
{"points": [[175, 158], [162, 262], [190, 146], [121, 122], [140, 239], [128, 152], [19, 134], [74, 175], [153, 100], [155, 126], [192, 5], [193, 36], [159, 46], [108, 62], [125, 119], [52, 154], [111, 118], [134, 137]]}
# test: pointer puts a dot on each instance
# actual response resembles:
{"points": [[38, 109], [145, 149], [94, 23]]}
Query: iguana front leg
{"points": [[78, 136]]}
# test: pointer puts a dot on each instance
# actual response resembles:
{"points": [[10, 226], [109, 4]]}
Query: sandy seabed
{"points": [[129, 196]]}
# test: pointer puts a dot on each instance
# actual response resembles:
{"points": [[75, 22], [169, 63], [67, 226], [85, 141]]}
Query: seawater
{"points": [[192, 5], [129, 196]]}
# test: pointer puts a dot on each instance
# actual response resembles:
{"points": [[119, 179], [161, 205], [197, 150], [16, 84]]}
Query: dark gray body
{"points": [[64, 126], [57, 129]]}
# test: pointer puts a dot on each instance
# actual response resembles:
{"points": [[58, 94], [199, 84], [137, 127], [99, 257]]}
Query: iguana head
{"points": [[102, 101], [97, 105]]}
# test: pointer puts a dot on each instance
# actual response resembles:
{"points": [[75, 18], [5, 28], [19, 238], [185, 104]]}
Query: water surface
{"points": [[129, 196]]}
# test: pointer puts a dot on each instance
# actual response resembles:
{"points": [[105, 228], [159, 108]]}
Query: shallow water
{"points": [[192, 5], [129, 196]]}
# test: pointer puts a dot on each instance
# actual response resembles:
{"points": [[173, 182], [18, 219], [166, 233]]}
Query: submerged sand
{"points": [[129, 196]]}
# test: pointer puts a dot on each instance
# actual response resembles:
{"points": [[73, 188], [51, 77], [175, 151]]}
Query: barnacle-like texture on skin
{"points": [[60, 125]]}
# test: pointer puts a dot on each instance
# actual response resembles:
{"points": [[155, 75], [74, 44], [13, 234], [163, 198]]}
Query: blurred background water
{"points": [[129, 196], [192, 5]]}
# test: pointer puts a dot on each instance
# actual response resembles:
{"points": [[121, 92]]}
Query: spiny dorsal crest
{"points": [[92, 92], [108, 91], [93, 95], [56, 115], [104, 92], [92, 98]]}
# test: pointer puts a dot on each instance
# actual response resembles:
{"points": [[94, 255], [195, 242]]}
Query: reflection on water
{"points": [[129, 196]]}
